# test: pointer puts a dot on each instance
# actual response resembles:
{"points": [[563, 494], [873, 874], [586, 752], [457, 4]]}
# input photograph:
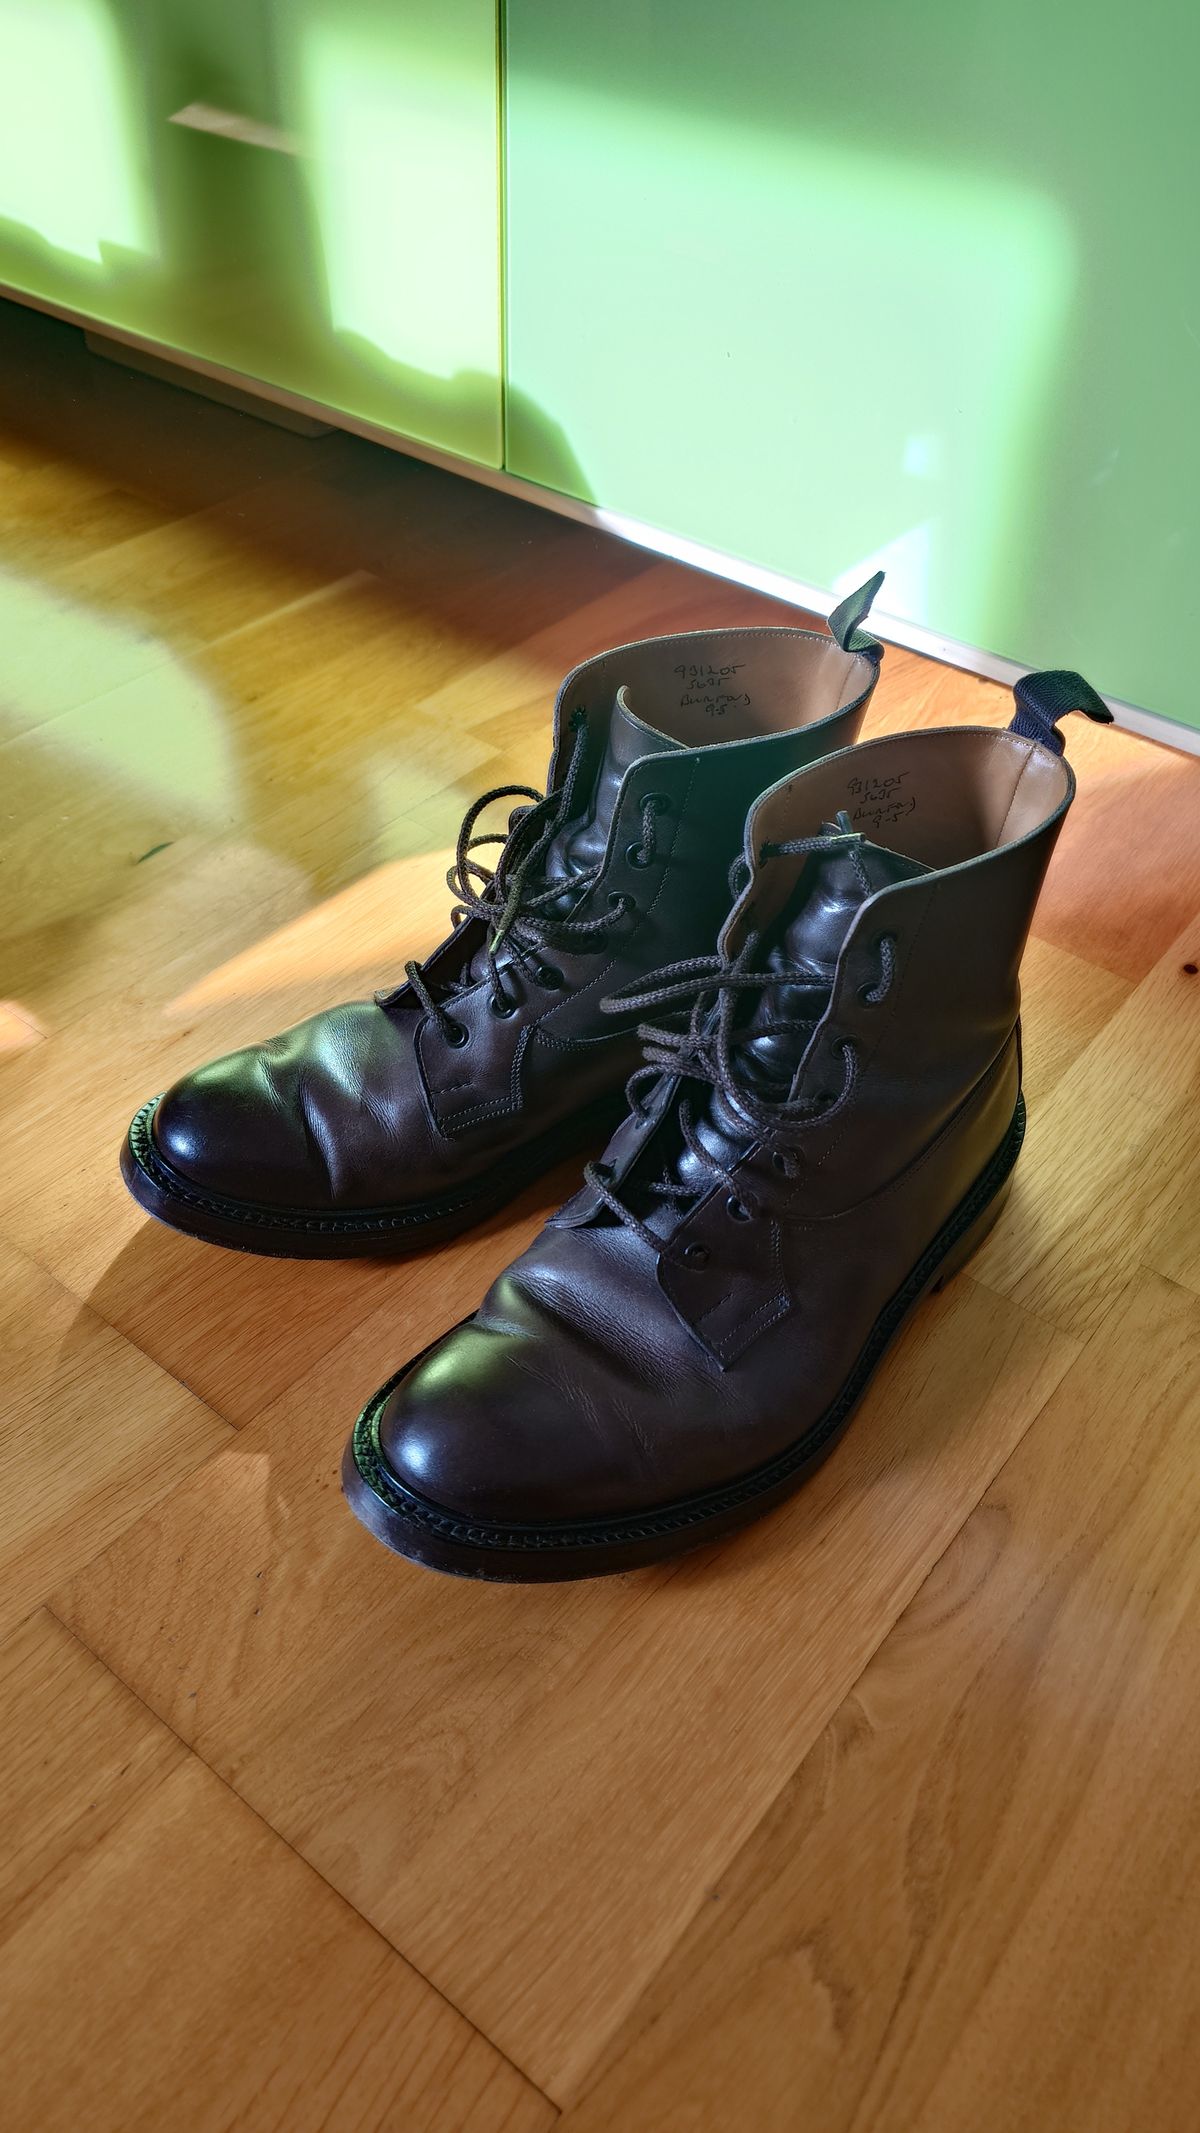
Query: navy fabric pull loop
{"points": [[1042, 699], [850, 612]]}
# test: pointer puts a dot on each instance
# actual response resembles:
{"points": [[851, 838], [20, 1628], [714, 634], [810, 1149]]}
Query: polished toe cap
{"points": [[474, 1430], [225, 1130]]}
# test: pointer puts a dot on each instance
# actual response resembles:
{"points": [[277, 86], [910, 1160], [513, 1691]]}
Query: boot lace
{"points": [[512, 899], [707, 1052]]}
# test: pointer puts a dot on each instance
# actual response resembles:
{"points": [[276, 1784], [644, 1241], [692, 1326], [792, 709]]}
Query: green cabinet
{"points": [[913, 286], [303, 191]]}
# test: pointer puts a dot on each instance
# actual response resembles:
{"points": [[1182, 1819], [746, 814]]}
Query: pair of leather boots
{"points": [[820, 1123]]}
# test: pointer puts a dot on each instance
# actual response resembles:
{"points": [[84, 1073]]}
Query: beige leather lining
{"points": [[941, 797], [729, 685]]}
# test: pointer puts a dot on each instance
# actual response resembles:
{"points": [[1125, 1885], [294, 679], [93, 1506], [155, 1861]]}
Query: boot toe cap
{"points": [[225, 1130], [474, 1432]]}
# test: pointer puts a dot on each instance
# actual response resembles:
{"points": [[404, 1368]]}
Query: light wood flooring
{"points": [[883, 1817]]}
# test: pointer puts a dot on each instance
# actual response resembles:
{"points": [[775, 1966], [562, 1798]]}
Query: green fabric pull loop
{"points": [[1042, 699], [849, 613]]}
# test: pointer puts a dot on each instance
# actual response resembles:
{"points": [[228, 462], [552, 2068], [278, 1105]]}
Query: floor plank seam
{"points": [[595, 2072], [1181, 1288], [86, 1303], [307, 1864]]}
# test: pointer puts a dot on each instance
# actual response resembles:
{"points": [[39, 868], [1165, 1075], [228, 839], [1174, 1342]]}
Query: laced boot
{"points": [[389, 1122], [830, 1136]]}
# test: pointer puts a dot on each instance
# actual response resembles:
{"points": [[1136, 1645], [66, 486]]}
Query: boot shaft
{"points": [[925, 994], [661, 747]]}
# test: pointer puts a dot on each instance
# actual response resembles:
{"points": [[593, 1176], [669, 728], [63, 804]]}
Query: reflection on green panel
{"points": [[303, 191], [907, 290], [402, 189], [382, 126], [72, 167]]}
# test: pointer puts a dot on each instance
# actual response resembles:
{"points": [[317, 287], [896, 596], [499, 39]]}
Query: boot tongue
{"points": [[807, 937], [581, 843]]}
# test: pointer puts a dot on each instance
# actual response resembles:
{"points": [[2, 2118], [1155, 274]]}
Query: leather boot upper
{"points": [[660, 747], [850, 1069]]}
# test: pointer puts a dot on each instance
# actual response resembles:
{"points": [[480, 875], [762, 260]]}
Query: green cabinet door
{"points": [[904, 285], [304, 191]]}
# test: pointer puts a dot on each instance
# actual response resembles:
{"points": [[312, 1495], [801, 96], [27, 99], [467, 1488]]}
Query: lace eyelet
{"points": [[502, 1007], [780, 1164], [737, 1209], [695, 1255], [659, 801], [636, 856], [871, 995], [550, 977], [455, 1035], [618, 901]]}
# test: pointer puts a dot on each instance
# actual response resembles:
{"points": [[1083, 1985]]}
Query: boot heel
{"points": [[968, 1244]]}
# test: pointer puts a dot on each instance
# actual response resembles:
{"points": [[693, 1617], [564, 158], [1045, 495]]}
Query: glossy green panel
{"points": [[913, 286], [341, 240]]}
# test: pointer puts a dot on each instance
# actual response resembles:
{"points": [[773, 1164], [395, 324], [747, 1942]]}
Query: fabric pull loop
{"points": [[850, 613], [1042, 699]]}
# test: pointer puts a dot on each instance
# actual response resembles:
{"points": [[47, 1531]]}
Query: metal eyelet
{"points": [[636, 855], [502, 1007], [618, 901], [695, 1254], [454, 1034], [780, 1164], [551, 977], [659, 801], [737, 1208]]}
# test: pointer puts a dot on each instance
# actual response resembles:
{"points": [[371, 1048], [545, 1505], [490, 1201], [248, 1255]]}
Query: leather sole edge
{"points": [[241, 1226]]}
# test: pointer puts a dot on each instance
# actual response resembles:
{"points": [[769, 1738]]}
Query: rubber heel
{"points": [[967, 1245]]}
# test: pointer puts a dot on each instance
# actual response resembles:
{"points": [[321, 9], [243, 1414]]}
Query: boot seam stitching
{"points": [[926, 1154], [885, 1028], [1012, 798], [602, 975]]}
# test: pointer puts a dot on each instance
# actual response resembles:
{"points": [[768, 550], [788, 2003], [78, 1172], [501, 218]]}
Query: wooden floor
{"points": [[883, 1816]]}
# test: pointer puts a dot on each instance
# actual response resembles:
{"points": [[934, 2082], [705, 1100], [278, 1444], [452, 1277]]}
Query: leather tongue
{"points": [[580, 843], [807, 937]]}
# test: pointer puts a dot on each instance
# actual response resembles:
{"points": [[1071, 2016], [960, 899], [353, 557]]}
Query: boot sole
{"points": [[297, 1233], [553, 1552]]}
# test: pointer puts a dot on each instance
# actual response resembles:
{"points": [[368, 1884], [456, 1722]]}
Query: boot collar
{"points": [[943, 797]]}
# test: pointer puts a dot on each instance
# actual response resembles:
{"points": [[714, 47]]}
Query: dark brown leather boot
{"points": [[389, 1122], [830, 1138]]}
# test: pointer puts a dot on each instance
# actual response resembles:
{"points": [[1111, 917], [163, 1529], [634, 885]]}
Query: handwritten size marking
{"points": [[706, 689], [886, 811], [875, 788]]}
